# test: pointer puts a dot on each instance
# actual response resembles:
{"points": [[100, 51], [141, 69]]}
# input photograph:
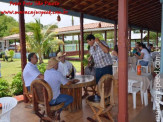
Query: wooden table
{"points": [[75, 90]]}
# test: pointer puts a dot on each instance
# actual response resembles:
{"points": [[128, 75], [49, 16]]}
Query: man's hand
{"points": [[73, 81], [97, 40]]}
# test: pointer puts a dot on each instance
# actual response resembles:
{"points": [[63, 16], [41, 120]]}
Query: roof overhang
{"points": [[87, 30], [142, 14]]}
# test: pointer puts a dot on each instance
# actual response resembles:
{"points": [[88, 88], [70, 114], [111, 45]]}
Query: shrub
{"points": [[11, 54], [85, 60], [4, 88], [17, 84], [42, 68]]}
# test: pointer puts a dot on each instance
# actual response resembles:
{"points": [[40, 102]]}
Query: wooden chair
{"points": [[91, 89], [27, 94], [42, 95], [105, 90]]}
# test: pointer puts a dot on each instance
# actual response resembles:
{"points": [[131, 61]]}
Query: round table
{"points": [[75, 90]]}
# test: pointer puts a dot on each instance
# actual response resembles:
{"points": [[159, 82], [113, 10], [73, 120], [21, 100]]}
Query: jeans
{"points": [[28, 88], [62, 98], [143, 63], [102, 71]]}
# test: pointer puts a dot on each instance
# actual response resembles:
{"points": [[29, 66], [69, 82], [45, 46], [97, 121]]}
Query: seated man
{"points": [[65, 67], [54, 78], [136, 49], [151, 48], [90, 70], [31, 71]]}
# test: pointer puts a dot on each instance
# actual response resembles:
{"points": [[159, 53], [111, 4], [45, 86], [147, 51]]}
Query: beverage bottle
{"points": [[138, 69]]}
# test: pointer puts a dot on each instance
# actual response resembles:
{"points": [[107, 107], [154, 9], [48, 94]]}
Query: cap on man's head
{"points": [[60, 54], [51, 63]]}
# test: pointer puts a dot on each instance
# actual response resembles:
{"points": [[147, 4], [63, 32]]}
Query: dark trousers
{"points": [[102, 71]]}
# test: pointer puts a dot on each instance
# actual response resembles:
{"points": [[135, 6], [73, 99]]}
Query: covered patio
{"points": [[127, 14]]}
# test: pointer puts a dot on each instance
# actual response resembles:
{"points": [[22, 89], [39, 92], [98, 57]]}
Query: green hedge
{"points": [[16, 87], [17, 84], [4, 88], [42, 68]]}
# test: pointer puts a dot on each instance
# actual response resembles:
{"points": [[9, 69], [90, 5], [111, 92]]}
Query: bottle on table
{"points": [[138, 69]]}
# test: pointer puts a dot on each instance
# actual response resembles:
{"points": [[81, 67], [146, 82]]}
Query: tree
{"points": [[110, 35], [3, 26], [152, 36], [43, 38], [99, 36], [11, 53], [8, 25]]}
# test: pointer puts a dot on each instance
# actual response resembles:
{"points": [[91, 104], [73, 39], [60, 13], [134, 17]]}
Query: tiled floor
{"points": [[140, 114]]}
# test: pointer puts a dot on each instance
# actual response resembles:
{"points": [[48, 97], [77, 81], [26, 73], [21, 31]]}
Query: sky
{"points": [[45, 19]]}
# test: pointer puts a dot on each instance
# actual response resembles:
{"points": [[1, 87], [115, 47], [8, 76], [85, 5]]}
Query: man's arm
{"points": [[141, 56], [104, 48]]}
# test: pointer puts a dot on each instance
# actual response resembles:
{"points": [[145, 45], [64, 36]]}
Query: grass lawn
{"points": [[10, 69]]}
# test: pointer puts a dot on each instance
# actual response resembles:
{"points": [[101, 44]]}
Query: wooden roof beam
{"points": [[106, 5], [136, 8], [66, 1], [110, 9], [145, 8], [77, 3], [93, 3]]}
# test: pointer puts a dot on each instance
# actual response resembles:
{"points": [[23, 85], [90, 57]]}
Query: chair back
{"points": [[158, 100], [105, 89], [26, 93], [39, 88], [131, 83], [8, 103]]}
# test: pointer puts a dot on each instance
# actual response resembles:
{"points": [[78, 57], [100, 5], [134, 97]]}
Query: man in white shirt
{"points": [[65, 67], [31, 71], [55, 78]]}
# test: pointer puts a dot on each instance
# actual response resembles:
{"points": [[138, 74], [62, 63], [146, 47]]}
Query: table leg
{"points": [[76, 93]]}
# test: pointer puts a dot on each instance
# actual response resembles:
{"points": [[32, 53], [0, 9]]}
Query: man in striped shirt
{"points": [[99, 50]]}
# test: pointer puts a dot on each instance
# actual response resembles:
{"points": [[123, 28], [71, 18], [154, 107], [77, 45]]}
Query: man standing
{"points": [[31, 71], [99, 50], [65, 67]]}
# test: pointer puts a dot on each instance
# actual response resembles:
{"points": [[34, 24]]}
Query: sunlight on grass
{"points": [[10, 69]]}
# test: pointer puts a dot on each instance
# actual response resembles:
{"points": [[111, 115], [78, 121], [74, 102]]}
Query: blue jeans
{"points": [[62, 98], [102, 71], [143, 63], [28, 88]]}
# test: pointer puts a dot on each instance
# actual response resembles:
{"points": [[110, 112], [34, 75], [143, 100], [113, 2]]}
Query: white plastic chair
{"points": [[115, 66], [8, 103], [134, 90], [159, 94], [146, 67]]}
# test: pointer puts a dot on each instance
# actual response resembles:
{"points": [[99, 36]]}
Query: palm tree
{"points": [[43, 38]]}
